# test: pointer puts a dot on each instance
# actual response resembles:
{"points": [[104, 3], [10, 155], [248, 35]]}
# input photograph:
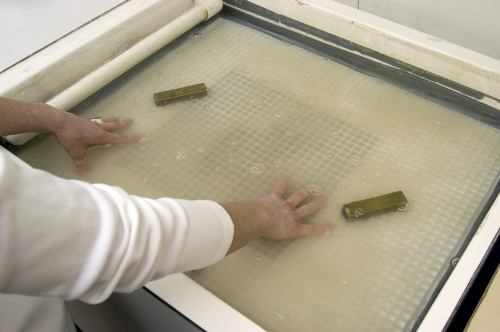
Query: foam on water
{"points": [[315, 189]]}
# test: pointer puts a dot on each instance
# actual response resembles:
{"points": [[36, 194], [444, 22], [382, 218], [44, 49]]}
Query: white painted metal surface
{"points": [[202, 307], [437, 56], [450, 295], [470, 24]]}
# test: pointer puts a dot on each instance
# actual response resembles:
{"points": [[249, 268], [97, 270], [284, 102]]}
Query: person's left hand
{"points": [[77, 134]]}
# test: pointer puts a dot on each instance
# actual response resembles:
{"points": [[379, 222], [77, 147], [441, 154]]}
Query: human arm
{"points": [[73, 133], [71, 239], [272, 217], [85, 241]]}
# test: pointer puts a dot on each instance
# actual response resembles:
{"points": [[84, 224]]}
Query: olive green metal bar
{"points": [[395, 201], [188, 92]]}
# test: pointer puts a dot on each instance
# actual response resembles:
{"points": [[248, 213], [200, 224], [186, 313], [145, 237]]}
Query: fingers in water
{"points": [[81, 163], [80, 159], [298, 197], [132, 138], [312, 207], [114, 124], [116, 138], [279, 187], [114, 119], [315, 229]]}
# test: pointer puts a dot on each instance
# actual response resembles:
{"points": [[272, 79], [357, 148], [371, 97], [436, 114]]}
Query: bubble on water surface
{"points": [[359, 212], [278, 163], [201, 149], [161, 76], [181, 154], [355, 160], [315, 189], [404, 206], [256, 101], [196, 35], [257, 168], [280, 315], [144, 139]]}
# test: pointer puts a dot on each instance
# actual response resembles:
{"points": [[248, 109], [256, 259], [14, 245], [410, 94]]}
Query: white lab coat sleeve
{"points": [[74, 240]]}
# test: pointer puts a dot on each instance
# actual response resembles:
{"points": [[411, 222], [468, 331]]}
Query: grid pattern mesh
{"points": [[273, 109]]}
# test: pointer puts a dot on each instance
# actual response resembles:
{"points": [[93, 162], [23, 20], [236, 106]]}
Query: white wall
{"points": [[28, 25], [473, 24]]}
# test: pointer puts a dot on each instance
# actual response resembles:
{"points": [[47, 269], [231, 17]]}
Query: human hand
{"points": [[76, 135], [272, 217], [286, 214]]}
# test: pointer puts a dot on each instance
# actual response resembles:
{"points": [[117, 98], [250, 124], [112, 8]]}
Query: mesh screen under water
{"points": [[274, 108]]}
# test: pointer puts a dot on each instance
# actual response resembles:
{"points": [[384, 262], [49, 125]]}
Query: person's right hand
{"points": [[287, 214], [272, 217]]}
